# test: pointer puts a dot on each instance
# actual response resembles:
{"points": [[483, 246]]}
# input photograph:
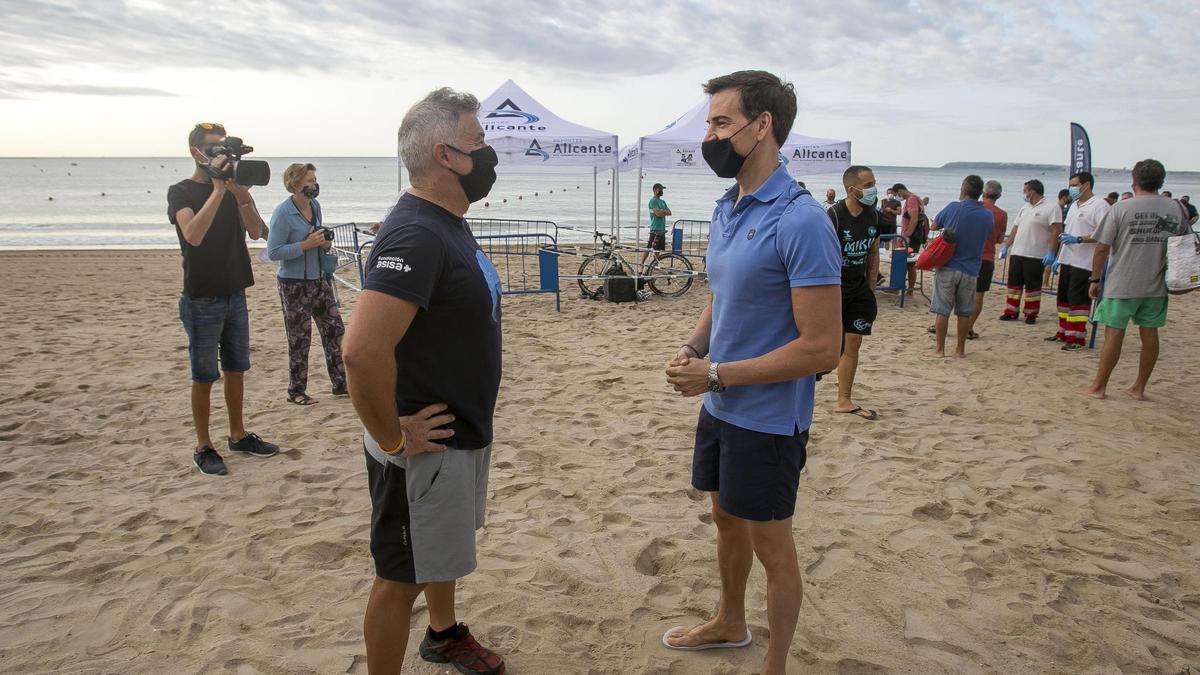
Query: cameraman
{"points": [[212, 215], [298, 241]]}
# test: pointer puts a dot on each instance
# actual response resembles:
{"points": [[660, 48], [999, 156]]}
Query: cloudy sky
{"points": [[917, 83]]}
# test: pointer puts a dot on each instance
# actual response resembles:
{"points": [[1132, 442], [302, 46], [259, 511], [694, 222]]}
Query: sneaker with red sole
{"points": [[462, 652]]}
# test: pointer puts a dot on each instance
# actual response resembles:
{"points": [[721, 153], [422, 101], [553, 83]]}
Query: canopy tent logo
{"points": [[569, 147], [535, 150], [685, 157], [819, 153], [510, 110]]}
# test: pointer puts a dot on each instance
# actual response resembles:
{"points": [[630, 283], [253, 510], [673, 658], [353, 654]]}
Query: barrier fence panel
{"points": [[526, 263], [487, 227], [689, 238], [522, 251], [518, 250], [350, 242]]}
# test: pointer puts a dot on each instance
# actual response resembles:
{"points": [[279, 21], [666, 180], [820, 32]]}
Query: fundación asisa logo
{"points": [[511, 111], [570, 147]]}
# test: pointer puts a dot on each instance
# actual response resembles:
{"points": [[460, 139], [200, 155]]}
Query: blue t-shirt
{"points": [[973, 224], [451, 352], [772, 241]]}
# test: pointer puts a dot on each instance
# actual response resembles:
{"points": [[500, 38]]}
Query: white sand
{"points": [[989, 522]]}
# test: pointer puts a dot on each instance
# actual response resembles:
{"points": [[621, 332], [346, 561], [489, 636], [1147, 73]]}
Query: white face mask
{"points": [[868, 196]]}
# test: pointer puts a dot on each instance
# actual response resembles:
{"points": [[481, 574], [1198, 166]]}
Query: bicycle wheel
{"points": [[671, 275], [592, 267]]}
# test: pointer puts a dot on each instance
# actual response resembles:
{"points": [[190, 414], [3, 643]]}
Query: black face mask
{"points": [[722, 158], [311, 191], [478, 182]]}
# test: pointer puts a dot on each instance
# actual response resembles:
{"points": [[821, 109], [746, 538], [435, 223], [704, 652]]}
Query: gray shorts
{"points": [[953, 292], [424, 512]]}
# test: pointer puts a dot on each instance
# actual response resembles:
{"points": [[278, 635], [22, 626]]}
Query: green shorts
{"points": [[1145, 312]]}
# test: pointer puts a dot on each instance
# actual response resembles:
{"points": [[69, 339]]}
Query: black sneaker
{"points": [[462, 652], [340, 391], [1008, 317], [1053, 338], [1031, 320], [209, 462], [1072, 347], [251, 444]]}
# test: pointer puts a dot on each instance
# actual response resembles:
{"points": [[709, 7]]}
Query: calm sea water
{"points": [[90, 202]]}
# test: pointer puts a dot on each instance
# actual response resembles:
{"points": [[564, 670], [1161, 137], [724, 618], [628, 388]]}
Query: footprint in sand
{"points": [[658, 558], [933, 511], [833, 560]]}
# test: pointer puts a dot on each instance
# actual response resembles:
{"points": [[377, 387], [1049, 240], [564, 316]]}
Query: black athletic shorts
{"points": [[1025, 272], [1073, 286], [983, 283], [859, 309], [757, 474], [918, 240], [657, 241]]}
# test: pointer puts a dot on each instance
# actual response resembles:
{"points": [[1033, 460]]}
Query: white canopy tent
{"points": [[677, 148], [527, 136]]}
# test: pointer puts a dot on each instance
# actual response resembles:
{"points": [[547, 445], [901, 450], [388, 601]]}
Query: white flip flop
{"points": [[710, 645]]}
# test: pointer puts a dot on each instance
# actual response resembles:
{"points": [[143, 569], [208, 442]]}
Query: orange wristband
{"points": [[399, 446]]}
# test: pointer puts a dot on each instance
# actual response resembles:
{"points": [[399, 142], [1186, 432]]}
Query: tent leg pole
{"points": [[638, 231], [616, 198]]}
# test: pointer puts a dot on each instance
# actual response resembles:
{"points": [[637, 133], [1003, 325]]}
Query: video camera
{"points": [[243, 171]]}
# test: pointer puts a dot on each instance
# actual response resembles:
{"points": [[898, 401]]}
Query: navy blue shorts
{"points": [[756, 474], [218, 331]]}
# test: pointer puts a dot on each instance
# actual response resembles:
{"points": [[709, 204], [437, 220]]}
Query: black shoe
{"points": [[1030, 320], [1053, 338], [1007, 317], [462, 652], [340, 391], [209, 462], [251, 444], [1072, 347]]}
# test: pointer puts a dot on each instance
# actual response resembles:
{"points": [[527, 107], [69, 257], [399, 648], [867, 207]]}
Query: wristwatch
{"points": [[714, 380]]}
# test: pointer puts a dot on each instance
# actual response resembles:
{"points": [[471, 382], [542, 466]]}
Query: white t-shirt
{"points": [[1082, 221], [1033, 228]]}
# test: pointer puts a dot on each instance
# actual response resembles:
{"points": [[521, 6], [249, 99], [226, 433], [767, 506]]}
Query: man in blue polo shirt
{"points": [[772, 322], [954, 285]]}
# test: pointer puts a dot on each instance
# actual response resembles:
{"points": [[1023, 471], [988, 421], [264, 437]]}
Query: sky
{"points": [[915, 83]]}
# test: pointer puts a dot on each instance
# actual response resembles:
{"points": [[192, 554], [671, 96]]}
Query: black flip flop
{"points": [[870, 416], [301, 399]]}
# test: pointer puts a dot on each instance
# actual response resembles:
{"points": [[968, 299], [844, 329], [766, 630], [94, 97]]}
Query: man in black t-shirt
{"points": [[423, 363], [857, 225], [212, 216]]}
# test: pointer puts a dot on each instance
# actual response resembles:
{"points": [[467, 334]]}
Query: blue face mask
{"points": [[869, 196], [1075, 191], [1026, 198]]}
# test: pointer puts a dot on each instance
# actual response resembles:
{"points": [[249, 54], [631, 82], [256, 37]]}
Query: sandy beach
{"points": [[989, 522]]}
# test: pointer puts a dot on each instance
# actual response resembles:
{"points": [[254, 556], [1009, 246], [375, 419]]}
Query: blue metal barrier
{"points": [[505, 250], [689, 238], [350, 241], [898, 274]]}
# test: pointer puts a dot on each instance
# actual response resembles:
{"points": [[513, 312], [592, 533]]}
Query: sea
{"points": [[86, 203]]}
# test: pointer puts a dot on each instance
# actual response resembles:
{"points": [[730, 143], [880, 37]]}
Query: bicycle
{"points": [[669, 274]]}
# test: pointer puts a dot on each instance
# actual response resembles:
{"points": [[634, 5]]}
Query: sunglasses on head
{"points": [[211, 125]]}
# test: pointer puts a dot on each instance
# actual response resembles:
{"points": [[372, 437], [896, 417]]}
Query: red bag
{"points": [[938, 252]]}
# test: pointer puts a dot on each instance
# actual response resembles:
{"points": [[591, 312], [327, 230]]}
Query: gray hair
{"points": [[991, 190], [434, 119]]}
